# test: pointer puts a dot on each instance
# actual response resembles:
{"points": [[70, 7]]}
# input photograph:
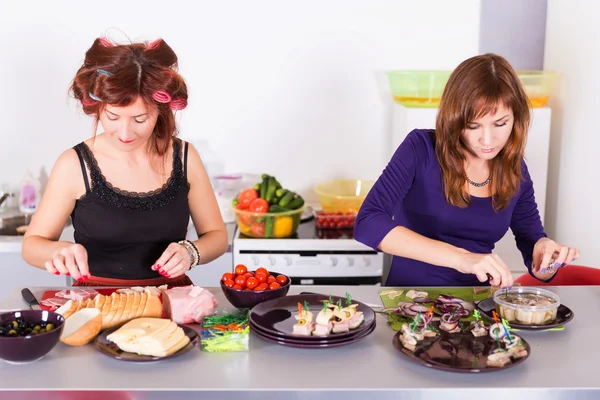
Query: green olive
{"points": [[12, 332], [33, 333], [43, 330], [37, 328], [49, 327], [15, 324]]}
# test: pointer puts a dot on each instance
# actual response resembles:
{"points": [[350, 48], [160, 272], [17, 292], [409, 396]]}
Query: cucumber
{"points": [[269, 225], [263, 188], [280, 192], [257, 187], [275, 208], [277, 184], [265, 176], [271, 190], [296, 203], [286, 199], [235, 202]]}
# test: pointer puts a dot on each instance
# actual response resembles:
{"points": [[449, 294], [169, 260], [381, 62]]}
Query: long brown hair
{"points": [[477, 87], [119, 74]]}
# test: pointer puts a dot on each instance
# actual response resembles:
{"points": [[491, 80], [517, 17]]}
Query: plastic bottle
{"points": [[29, 196]]}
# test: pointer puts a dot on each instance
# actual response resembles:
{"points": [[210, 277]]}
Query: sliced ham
{"points": [[79, 294], [188, 304]]}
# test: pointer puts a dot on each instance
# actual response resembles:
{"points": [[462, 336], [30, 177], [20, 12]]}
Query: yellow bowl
{"points": [[268, 225], [343, 195], [538, 85]]}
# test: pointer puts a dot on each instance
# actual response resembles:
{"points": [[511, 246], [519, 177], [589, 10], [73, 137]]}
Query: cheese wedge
{"points": [[150, 336]]}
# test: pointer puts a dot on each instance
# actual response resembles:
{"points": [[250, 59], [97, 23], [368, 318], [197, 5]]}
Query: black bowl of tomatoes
{"points": [[245, 289]]}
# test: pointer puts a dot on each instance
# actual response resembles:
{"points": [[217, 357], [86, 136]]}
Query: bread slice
{"points": [[153, 307], [140, 310], [99, 301], [116, 298], [67, 309], [135, 303], [82, 327], [106, 309]]}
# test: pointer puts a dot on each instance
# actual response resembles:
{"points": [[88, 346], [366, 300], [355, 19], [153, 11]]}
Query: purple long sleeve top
{"points": [[410, 193]]}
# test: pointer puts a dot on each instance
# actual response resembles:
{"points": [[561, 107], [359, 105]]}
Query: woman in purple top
{"points": [[448, 195]]}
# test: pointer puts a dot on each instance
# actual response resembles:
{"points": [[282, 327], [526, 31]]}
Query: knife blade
{"points": [[30, 299]]}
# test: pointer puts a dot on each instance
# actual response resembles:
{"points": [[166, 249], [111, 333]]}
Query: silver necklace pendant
{"points": [[480, 184]]}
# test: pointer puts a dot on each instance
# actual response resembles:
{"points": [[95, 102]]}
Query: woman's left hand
{"points": [[174, 261], [549, 256]]}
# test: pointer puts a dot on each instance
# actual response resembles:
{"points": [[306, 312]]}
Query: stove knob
{"points": [[333, 262], [366, 261], [255, 260], [272, 260], [350, 261], [288, 260]]}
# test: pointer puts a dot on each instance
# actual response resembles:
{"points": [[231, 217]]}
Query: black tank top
{"points": [[124, 233]]}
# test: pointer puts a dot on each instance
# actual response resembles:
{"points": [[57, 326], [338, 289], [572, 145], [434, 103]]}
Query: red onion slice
{"points": [[450, 318], [418, 308], [423, 300]]}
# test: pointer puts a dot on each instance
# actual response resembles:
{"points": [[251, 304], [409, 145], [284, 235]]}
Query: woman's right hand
{"points": [[483, 265], [70, 260]]}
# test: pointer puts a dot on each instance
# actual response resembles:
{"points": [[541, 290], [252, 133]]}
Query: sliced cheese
{"points": [[150, 336]]}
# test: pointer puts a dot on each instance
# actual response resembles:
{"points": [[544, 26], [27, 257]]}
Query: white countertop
{"points": [[557, 363]]}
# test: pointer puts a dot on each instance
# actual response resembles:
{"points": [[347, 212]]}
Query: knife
{"points": [[30, 299]]}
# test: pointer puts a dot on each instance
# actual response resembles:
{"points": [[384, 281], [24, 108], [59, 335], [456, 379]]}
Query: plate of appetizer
{"points": [[453, 344], [146, 340], [527, 308], [312, 317]]}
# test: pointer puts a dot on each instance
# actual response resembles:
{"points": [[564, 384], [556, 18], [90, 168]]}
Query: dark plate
{"points": [[455, 352], [563, 315], [110, 349], [277, 316], [309, 339], [306, 344]]}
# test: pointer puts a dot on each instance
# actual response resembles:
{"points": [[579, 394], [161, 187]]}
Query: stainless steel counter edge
{"points": [[560, 360]]}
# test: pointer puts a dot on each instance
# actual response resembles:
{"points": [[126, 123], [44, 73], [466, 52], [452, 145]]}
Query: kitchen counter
{"points": [[557, 361]]}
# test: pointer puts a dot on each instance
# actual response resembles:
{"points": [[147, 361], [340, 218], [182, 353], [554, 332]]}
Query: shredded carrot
{"points": [[495, 316], [300, 310]]}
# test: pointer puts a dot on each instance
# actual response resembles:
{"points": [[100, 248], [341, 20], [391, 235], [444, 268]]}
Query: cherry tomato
{"points": [[251, 283], [229, 283], [236, 287], [259, 206], [247, 219], [262, 278], [240, 281], [248, 275], [258, 229], [282, 279], [246, 197], [227, 276], [240, 269], [274, 286], [262, 270], [271, 279], [261, 287]]}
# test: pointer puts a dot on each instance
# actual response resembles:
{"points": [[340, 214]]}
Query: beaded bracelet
{"points": [[192, 250]]}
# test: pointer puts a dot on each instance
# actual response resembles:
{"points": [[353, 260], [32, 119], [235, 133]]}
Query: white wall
{"points": [[262, 74], [572, 44]]}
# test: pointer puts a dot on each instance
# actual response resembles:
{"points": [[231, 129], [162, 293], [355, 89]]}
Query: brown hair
{"points": [[476, 88], [119, 74]]}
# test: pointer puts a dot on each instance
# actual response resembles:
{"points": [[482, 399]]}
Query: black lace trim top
{"points": [[124, 232], [132, 200]]}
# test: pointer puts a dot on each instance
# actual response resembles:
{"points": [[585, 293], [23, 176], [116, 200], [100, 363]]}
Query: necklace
{"points": [[480, 184]]}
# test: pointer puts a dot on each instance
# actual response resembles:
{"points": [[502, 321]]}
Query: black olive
{"points": [[28, 331], [22, 325], [20, 319], [43, 324], [30, 325]]}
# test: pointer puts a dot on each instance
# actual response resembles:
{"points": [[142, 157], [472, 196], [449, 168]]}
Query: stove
{"points": [[312, 256]]}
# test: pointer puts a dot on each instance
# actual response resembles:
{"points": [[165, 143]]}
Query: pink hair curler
{"points": [[178, 104], [161, 96], [153, 45], [88, 103], [104, 42]]}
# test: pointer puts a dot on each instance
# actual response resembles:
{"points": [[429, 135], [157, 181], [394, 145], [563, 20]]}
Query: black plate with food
{"points": [[462, 351], [299, 316], [563, 315], [110, 349]]}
